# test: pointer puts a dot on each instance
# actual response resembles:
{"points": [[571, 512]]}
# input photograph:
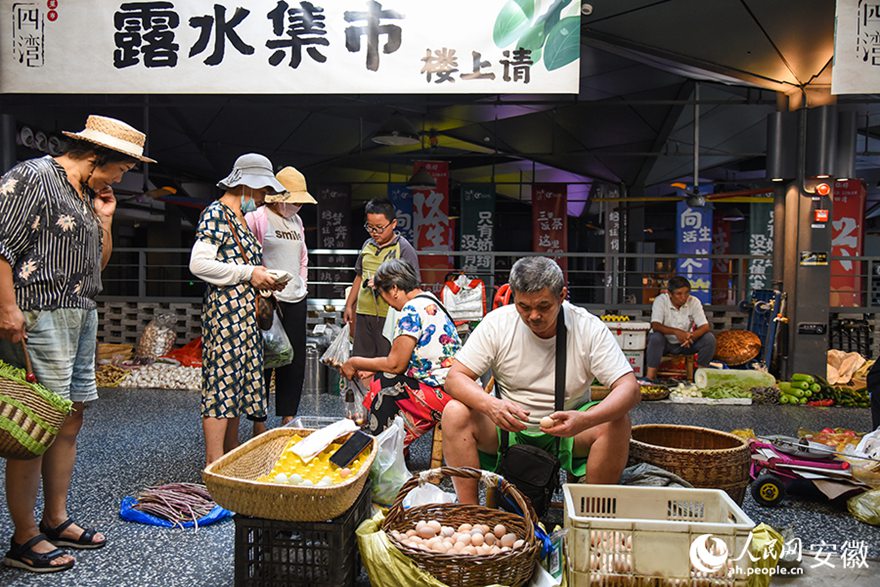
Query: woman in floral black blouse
{"points": [[55, 219]]}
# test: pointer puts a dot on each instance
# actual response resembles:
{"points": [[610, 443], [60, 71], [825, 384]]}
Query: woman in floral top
{"points": [[409, 381]]}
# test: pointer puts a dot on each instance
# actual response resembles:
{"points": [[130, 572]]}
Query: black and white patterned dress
{"points": [[232, 356]]}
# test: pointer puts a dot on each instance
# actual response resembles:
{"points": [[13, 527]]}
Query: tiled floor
{"points": [[133, 439]]}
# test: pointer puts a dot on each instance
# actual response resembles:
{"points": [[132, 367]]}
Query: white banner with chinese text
{"points": [[856, 48], [281, 47]]}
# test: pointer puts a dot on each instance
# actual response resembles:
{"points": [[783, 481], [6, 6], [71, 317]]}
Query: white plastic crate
{"points": [[636, 536], [630, 336]]}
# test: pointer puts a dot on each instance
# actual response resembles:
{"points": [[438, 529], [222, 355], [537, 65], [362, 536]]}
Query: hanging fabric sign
{"points": [[760, 245], [693, 236], [402, 199], [334, 220], [846, 241], [287, 47], [550, 220], [433, 230], [477, 227]]}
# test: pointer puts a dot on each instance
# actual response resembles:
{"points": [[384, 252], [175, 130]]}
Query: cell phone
{"points": [[352, 447], [281, 277]]}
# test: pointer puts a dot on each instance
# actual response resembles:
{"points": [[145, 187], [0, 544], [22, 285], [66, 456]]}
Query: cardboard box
{"points": [[637, 360], [630, 336]]}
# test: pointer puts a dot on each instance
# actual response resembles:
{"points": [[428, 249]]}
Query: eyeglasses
{"points": [[377, 229]]}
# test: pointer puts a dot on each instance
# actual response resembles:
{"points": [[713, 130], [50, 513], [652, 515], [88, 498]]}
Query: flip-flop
{"points": [[40, 562], [84, 542]]}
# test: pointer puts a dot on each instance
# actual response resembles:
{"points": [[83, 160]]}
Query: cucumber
{"points": [[784, 386], [783, 398], [803, 385], [803, 377], [815, 388], [798, 393], [808, 393]]}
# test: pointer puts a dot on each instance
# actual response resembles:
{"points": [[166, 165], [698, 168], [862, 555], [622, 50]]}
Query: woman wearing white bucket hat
{"points": [[279, 229], [56, 215], [230, 259]]}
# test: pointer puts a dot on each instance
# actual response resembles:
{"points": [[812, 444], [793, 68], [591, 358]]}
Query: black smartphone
{"points": [[352, 447]]}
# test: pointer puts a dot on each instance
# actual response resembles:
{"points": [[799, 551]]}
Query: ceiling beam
{"points": [[666, 128]]}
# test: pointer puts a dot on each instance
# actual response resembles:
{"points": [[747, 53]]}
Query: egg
{"points": [[508, 539], [410, 533], [344, 472], [447, 530], [307, 483], [435, 525], [505, 549], [466, 538], [427, 532], [459, 546], [547, 422], [469, 550], [519, 543], [295, 479], [440, 547], [499, 531], [477, 539], [420, 524], [489, 539], [280, 478], [465, 528]]}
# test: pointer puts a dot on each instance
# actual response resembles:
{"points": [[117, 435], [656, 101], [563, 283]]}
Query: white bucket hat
{"points": [[295, 190], [114, 135], [254, 171]]}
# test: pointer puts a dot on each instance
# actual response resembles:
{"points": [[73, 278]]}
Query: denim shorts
{"points": [[61, 344]]}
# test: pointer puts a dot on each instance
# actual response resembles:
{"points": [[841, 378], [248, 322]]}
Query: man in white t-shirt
{"points": [[518, 344], [678, 327]]}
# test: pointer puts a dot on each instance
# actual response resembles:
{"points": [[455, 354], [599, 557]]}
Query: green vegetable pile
{"points": [[851, 398], [12, 373], [765, 395], [726, 391]]}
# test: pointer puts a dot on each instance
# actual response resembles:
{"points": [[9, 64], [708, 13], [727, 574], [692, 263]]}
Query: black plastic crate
{"points": [[852, 336], [270, 553]]}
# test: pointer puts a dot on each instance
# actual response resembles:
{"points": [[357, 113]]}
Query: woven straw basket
{"points": [[514, 567], [231, 480], [701, 456], [29, 418]]}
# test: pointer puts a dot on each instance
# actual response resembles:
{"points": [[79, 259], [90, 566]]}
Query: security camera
{"points": [[586, 9]]}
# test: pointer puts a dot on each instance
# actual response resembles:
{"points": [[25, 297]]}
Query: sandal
{"points": [[84, 542], [40, 562]]}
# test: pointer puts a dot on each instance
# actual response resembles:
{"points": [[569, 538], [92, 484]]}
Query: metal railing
{"points": [[595, 280]]}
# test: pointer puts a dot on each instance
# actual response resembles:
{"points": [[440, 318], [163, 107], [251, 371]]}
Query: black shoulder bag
{"points": [[534, 471]]}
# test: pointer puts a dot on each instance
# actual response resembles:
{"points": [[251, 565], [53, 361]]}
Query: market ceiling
{"points": [[631, 124]]}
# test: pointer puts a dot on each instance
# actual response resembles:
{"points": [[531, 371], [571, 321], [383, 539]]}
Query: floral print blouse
{"points": [[437, 341]]}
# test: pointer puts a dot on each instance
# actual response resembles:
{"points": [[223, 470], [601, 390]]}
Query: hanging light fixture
{"points": [[781, 149], [397, 131], [733, 215], [845, 162], [821, 141], [421, 180]]}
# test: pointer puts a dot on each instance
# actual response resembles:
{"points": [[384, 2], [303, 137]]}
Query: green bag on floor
{"points": [[386, 565]]}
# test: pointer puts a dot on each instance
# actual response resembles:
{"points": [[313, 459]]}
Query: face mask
{"points": [[247, 205], [289, 210]]}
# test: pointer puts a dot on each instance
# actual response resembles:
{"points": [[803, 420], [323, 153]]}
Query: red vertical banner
{"points": [[722, 272], [433, 230], [847, 241], [550, 219]]}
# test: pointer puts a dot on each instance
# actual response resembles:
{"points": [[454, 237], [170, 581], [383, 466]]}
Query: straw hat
{"points": [[254, 171], [114, 135], [295, 190]]}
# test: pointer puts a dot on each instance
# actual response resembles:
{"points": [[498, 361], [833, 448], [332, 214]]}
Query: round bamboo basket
{"points": [[514, 567], [701, 456], [231, 480]]}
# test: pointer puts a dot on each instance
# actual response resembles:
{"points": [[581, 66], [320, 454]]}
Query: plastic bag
{"points": [[865, 507], [158, 337], [339, 350], [427, 494], [464, 298], [129, 514], [277, 350], [389, 472], [385, 564]]}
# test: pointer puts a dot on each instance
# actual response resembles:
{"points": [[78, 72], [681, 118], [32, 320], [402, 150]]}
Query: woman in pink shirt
{"points": [[279, 229]]}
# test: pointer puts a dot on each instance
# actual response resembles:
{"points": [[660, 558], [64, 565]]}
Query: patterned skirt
{"points": [[232, 359], [419, 404]]}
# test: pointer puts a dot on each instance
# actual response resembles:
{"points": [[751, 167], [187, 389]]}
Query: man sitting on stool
{"points": [[678, 327]]}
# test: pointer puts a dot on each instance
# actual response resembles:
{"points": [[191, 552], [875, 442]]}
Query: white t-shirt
{"points": [[687, 318], [524, 365]]}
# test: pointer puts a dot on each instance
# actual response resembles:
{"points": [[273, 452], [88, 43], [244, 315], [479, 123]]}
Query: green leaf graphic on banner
{"points": [[512, 21], [563, 43]]}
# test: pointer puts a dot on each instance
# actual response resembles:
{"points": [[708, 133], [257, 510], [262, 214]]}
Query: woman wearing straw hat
{"points": [[279, 229], [55, 219], [228, 256]]}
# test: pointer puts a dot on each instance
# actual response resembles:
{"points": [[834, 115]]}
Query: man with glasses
{"points": [[365, 310]]}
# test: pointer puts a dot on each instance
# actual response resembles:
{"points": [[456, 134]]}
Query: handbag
{"points": [[532, 470], [266, 304]]}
